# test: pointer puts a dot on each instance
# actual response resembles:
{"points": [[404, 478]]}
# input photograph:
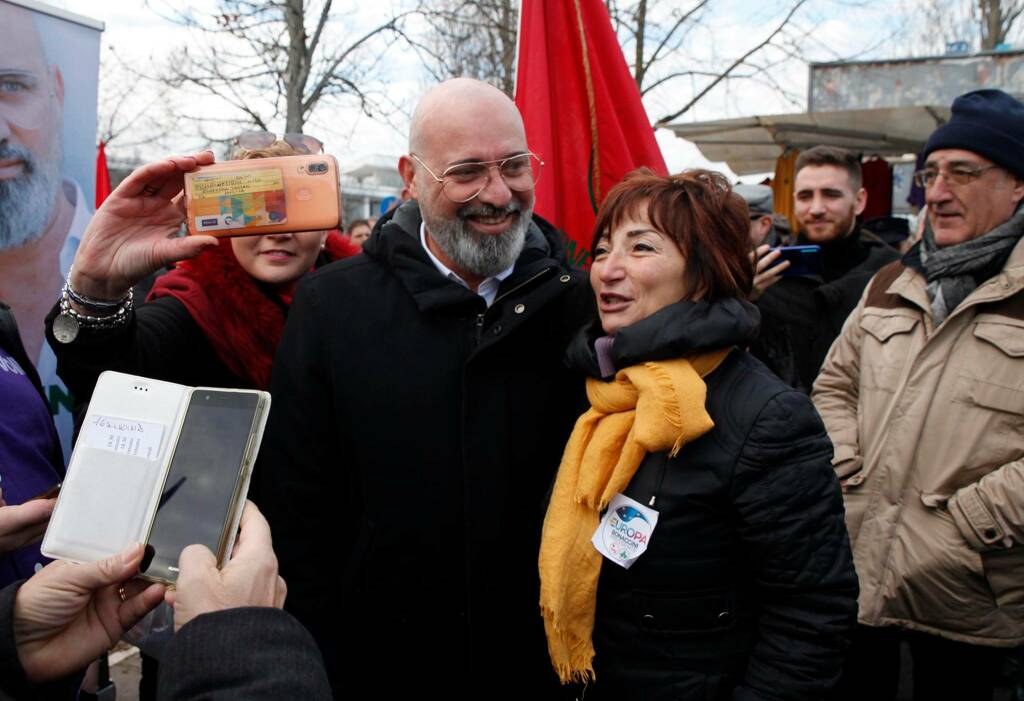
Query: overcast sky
{"points": [[835, 28]]}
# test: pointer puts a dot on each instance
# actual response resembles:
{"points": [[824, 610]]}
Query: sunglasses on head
{"points": [[303, 143]]}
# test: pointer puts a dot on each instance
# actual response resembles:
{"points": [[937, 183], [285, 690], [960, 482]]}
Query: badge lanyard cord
{"points": [[660, 482]]}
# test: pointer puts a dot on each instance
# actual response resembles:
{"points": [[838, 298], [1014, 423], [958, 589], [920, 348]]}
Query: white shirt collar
{"points": [[488, 288]]}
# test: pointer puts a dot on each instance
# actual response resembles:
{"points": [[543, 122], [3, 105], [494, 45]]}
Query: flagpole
{"points": [[515, 64]]}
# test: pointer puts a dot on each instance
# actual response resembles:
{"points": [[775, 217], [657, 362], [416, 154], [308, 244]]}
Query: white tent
{"points": [[752, 144]]}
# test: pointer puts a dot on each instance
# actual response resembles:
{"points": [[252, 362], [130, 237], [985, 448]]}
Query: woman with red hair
{"points": [[694, 545]]}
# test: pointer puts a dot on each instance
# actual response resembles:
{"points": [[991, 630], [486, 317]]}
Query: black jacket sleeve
{"points": [[159, 340], [242, 653], [13, 684], [791, 518]]}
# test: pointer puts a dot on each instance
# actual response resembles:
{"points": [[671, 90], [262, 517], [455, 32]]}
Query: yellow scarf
{"points": [[648, 408]]}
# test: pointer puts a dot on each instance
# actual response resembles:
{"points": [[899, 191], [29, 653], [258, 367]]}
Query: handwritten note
{"points": [[139, 439]]}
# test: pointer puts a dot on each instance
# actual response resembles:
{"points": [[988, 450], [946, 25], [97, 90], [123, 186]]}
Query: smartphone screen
{"points": [[202, 478]]}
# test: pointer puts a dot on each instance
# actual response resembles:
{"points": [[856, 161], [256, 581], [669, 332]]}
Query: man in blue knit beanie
{"points": [[922, 395]]}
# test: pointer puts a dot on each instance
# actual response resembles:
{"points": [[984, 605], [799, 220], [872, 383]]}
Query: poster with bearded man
{"points": [[49, 68]]}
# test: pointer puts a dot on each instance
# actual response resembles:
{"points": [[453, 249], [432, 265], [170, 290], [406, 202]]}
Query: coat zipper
{"points": [[481, 317]]}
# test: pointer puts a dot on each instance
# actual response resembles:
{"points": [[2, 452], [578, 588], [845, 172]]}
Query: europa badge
{"points": [[625, 530]]}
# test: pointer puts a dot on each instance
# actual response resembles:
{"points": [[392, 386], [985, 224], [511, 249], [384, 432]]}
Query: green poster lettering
{"points": [[59, 398]]}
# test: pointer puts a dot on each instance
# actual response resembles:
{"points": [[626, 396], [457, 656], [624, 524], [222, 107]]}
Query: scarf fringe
{"points": [[572, 657], [680, 442], [666, 391]]}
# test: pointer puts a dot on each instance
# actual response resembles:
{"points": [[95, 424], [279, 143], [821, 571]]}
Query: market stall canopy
{"points": [[752, 144]]}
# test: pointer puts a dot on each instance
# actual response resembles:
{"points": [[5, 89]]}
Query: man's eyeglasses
{"points": [[464, 181], [303, 143], [957, 175]]}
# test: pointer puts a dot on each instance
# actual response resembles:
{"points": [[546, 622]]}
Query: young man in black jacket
{"points": [[802, 315], [421, 406]]}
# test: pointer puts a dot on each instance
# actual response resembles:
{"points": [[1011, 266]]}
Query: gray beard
{"points": [[482, 255], [26, 202]]}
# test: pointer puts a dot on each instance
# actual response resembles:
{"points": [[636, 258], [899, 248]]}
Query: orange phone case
{"points": [[264, 196]]}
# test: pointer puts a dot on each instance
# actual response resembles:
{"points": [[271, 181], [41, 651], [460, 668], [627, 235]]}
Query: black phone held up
{"points": [[803, 260], [206, 471]]}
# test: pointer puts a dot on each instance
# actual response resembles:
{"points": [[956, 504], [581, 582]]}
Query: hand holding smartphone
{"points": [[803, 260], [160, 464], [249, 578], [200, 497], [768, 270]]}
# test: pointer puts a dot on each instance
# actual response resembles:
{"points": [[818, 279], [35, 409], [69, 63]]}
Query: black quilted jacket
{"points": [[747, 589]]}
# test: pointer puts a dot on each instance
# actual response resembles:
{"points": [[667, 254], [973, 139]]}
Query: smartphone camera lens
{"points": [[318, 168]]}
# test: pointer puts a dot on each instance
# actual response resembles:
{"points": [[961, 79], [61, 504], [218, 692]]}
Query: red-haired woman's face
{"points": [[637, 270]]}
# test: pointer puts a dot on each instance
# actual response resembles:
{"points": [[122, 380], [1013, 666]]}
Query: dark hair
{"points": [[832, 156], [359, 222], [701, 213]]}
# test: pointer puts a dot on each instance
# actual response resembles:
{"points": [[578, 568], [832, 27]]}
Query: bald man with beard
{"points": [[417, 424], [37, 209]]}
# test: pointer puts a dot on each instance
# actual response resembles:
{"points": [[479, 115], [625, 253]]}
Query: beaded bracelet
{"points": [[95, 305], [70, 321]]}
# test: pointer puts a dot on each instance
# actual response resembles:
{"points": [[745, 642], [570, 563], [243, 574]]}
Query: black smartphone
{"points": [[207, 470], [803, 260]]}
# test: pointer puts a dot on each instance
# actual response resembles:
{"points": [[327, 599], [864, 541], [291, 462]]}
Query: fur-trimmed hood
{"points": [[242, 318]]}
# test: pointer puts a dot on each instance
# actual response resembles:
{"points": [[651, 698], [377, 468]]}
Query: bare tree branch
{"points": [[735, 64], [474, 38], [276, 59]]}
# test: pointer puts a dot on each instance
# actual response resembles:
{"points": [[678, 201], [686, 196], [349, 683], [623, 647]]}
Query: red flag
{"points": [[582, 110], [102, 176]]}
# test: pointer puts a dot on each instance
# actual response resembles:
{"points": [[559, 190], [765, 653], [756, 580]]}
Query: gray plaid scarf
{"points": [[953, 272]]}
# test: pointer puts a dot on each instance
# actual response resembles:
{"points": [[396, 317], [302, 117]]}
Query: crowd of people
{"points": [[681, 474]]}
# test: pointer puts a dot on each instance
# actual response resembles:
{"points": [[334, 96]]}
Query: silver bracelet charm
{"points": [[69, 322]]}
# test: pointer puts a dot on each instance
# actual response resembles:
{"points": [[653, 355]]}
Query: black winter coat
{"points": [[413, 435], [802, 316], [747, 589], [256, 654]]}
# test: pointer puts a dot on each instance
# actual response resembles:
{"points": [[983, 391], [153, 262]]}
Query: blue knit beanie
{"points": [[988, 122]]}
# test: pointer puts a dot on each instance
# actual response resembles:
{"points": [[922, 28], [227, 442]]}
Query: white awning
{"points": [[753, 144]]}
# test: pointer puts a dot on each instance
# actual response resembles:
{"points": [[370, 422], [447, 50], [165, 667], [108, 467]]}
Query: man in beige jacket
{"points": [[923, 396]]}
